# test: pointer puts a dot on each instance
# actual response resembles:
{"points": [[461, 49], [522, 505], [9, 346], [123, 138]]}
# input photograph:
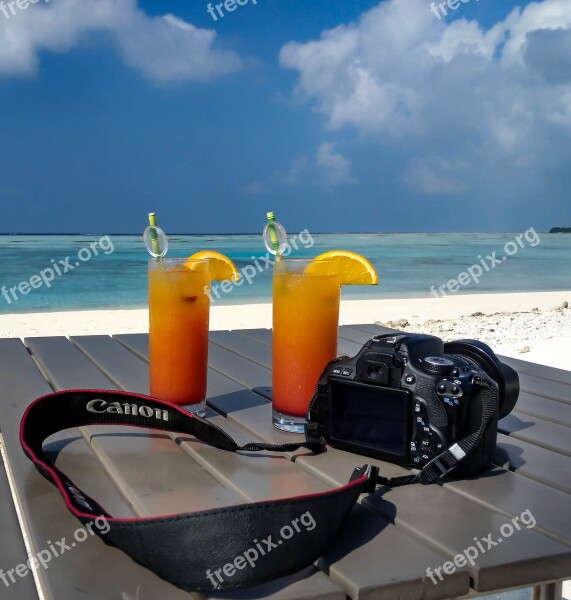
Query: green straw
{"points": [[273, 234], [153, 233]]}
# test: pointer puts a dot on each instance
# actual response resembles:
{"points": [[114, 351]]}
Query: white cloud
{"points": [[437, 176], [498, 99], [161, 48], [336, 168], [257, 188], [549, 15], [327, 169]]}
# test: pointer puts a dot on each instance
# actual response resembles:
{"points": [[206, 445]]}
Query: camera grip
{"points": [[436, 412]]}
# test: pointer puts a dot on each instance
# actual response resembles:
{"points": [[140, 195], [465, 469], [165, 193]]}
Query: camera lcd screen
{"points": [[371, 416]]}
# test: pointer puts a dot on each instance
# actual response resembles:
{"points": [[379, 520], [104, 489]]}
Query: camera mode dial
{"points": [[437, 364]]}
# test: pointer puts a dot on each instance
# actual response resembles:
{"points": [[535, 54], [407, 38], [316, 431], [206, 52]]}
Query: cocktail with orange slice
{"points": [[179, 310], [306, 298]]}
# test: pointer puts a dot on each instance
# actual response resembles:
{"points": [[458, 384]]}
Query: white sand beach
{"points": [[529, 326]]}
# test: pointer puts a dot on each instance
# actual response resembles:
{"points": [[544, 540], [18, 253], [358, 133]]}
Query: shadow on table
{"points": [[264, 590], [225, 404], [513, 423], [509, 456], [360, 527]]}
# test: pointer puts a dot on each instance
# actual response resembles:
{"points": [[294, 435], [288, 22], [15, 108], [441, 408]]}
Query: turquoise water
{"points": [[408, 265]]}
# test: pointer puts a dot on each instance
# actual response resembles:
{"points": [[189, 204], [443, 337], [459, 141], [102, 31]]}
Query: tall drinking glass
{"points": [[305, 323], [179, 310]]}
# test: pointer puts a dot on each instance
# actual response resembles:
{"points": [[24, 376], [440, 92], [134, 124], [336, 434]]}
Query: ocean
{"points": [[75, 272]]}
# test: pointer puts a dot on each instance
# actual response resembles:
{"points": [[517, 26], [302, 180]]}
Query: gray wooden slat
{"points": [[309, 583], [137, 342], [245, 346], [361, 333], [12, 549], [370, 328], [347, 348], [45, 515], [255, 477], [168, 483], [65, 366], [237, 367], [260, 335], [523, 559], [134, 371], [529, 460], [72, 454], [509, 493], [537, 431], [544, 408], [537, 370], [547, 388]]}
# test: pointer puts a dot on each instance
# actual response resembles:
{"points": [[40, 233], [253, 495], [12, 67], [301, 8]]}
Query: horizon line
{"points": [[4, 233]]}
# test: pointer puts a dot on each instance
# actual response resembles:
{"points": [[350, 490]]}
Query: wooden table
{"points": [[389, 541]]}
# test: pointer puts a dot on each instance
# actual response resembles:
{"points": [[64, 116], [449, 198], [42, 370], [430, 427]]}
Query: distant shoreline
{"points": [[171, 234]]}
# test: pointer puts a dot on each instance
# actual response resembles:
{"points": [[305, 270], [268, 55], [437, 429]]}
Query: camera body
{"points": [[405, 398]]}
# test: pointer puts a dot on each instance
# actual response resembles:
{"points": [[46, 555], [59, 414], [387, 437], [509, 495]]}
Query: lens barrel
{"points": [[483, 357]]}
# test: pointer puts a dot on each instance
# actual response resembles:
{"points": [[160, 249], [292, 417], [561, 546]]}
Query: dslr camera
{"points": [[407, 398]]}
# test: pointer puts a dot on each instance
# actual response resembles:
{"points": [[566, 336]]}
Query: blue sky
{"points": [[340, 116]]}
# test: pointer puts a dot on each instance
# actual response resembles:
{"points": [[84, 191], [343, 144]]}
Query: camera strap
{"points": [[220, 548], [446, 461]]}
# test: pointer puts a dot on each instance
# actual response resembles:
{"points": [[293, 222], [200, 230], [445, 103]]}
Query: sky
{"points": [[337, 115]]}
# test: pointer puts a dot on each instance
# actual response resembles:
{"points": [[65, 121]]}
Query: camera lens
{"points": [[478, 354]]}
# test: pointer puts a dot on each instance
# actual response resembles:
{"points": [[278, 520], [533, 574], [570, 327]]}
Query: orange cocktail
{"points": [[305, 323], [179, 309]]}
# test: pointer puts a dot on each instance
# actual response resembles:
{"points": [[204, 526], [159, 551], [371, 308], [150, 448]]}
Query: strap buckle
{"points": [[372, 472], [433, 471]]}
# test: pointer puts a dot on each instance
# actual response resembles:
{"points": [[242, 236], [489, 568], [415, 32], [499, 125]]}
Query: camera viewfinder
{"points": [[378, 372]]}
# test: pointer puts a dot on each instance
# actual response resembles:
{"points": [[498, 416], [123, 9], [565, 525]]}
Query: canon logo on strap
{"points": [[99, 406]]}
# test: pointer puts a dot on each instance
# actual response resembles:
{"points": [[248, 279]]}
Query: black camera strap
{"points": [[446, 461], [221, 548]]}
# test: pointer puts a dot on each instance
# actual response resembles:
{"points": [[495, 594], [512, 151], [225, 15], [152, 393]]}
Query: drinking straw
{"points": [[153, 233], [273, 233], [155, 239]]}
